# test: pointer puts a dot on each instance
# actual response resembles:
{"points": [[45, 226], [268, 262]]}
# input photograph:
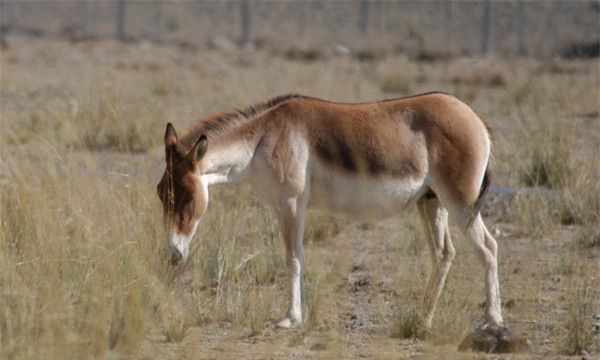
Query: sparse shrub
{"points": [[582, 50], [577, 326], [211, 267], [491, 77], [298, 54], [559, 67], [521, 91], [543, 171], [407, 318], [533, 211], [589, 237], [496, 79], [406, 325], [175, 329], [127, 325], [569, 217], [313, 315], [367, 55], [551, 164], [431, 55], [579, 202], [575, 202], [322, 227], [254, 309]]}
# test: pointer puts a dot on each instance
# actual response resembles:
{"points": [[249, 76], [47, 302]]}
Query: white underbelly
{"points": [[361, 197]]}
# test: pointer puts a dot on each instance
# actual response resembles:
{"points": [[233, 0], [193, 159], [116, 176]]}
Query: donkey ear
{"points": [[199, 148], [170, 136]]}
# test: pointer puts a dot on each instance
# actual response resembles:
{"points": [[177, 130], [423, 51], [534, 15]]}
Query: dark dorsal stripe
{"points": [[216, 125]]}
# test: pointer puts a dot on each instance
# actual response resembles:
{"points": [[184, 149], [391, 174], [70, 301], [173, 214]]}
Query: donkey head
{"points": [[184, 196]]}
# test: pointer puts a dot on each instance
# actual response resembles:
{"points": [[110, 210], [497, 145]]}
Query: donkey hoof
{"points": [[494, 339], [287, 323]]}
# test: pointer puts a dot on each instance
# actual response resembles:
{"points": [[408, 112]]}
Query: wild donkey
{"points": [[366, 160]]}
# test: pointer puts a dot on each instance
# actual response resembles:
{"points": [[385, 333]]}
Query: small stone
{"points": [[584, 355], [221, 43], [340, 49]]}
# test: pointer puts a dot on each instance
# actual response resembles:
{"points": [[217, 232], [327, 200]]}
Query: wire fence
{"points": [[519, 27]]}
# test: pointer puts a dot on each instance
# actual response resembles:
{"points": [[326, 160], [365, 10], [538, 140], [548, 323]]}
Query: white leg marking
{"points": [[292, 215], [486, 248], [435, 220]]}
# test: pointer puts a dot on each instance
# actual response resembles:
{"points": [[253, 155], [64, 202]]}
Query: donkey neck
{"points": [[227, 159]]}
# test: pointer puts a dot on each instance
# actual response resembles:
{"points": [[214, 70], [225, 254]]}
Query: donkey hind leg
{"points": [[492, 336], [292, 213], [487, 251], [435, 220]]}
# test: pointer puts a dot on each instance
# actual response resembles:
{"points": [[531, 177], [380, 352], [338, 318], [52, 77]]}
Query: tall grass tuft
{"points": [[406, 324], [577, 326], [71, 283]]}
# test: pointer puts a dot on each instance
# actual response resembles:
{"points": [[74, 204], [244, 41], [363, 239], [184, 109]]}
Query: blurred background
{"points": [[421, 29]]}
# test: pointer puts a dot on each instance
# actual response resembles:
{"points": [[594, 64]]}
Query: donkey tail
{"points": [[485, 186]]}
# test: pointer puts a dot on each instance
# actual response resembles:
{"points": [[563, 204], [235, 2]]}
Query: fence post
{"points": [[121, 8], [246, 39], [449, 26], [8, 15], [2, 15], [158, 36], [485, 24], [382, 12], [303, 19], [363, 17], [86, 17], [3, 26], [521, 10], [231, 18]]}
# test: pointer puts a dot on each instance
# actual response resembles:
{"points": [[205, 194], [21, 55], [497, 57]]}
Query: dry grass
{"points": [[81, 268], [299, 54], [491, 77], [70, 282], [578, 331], [407, 322], [396, 84]]}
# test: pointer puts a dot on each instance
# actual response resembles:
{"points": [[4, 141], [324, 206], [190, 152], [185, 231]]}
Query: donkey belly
{"points": [[361, 197]]}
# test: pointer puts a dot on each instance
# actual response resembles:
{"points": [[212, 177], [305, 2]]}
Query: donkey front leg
{"points": [[435, 220], [292, 213]]}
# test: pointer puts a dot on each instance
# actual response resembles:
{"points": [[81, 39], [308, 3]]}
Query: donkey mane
{"points": [[219, 123]]}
